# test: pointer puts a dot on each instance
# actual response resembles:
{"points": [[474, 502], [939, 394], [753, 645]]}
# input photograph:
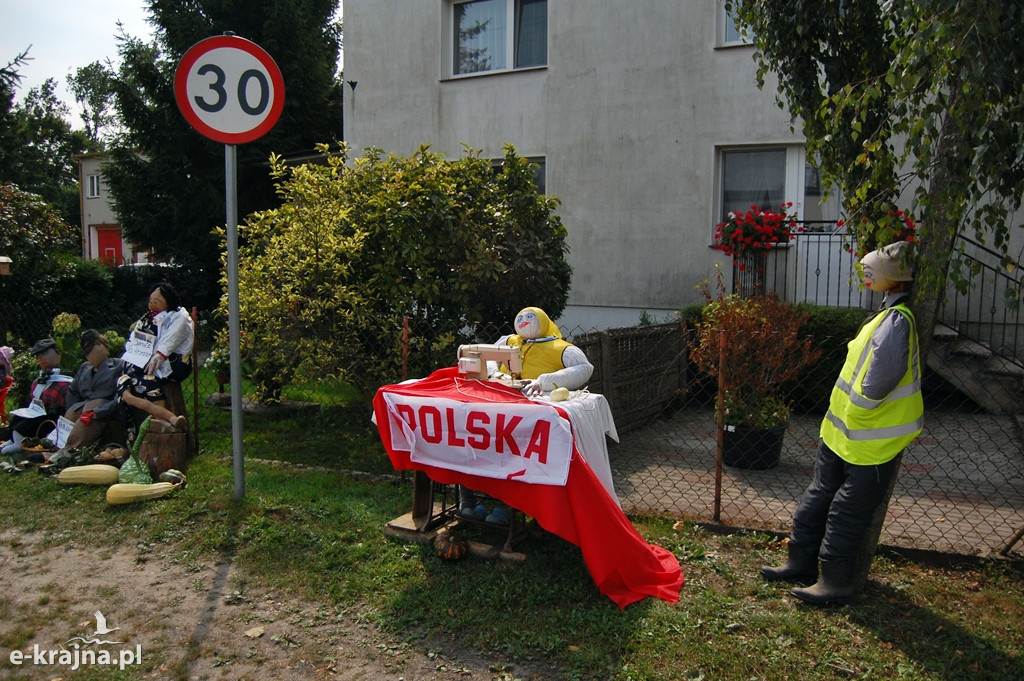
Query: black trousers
{"points": [[837, 507], [30, 427]]}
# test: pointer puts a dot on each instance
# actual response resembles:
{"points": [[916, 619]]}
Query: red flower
{"points": [[755, 231]]}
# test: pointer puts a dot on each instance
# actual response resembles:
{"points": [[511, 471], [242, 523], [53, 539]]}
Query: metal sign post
{"points": [[234, 328], [231, 91]]}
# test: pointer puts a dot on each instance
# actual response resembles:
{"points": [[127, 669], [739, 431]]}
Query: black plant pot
{"points": [[757, 448]]}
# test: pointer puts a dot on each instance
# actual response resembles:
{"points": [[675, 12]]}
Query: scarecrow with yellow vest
{"points": [[549, 361], [875, 411]]}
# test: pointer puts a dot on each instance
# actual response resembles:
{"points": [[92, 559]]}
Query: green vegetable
{"points": [[134, 470], [143, 429]]}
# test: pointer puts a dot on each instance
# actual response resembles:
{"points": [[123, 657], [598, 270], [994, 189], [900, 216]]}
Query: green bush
{"points": [[43, 249], [133, 283], [830, 329], [356, 249]]}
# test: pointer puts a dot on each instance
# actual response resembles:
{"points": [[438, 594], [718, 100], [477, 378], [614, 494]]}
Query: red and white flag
{"points": [[510, 441]]}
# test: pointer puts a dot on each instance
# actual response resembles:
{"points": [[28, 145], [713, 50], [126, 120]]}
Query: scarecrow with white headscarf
{"points": [[549, 361]]}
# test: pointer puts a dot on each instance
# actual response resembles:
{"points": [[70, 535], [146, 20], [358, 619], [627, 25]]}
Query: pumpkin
{"points": [[450, 547]]}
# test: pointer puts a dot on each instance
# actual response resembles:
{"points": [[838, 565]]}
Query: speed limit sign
{"points": [[229, 89]]}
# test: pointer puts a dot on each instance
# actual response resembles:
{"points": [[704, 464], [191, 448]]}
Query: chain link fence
{"points": [[960, 488]]}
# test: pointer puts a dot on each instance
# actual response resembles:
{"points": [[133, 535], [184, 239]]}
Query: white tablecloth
{"points": [[591, 419]]}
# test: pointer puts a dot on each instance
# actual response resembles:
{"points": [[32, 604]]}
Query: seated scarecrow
{"points": [[549, 361]]}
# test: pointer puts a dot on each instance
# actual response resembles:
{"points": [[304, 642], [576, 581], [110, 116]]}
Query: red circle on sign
{"points": [[215, 127]]}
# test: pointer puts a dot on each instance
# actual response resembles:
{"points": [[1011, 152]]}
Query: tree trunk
{"points": [[942, 232], [869, 544], [929, 293]]}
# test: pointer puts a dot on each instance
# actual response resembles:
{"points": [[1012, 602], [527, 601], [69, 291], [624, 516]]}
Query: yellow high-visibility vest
{"points": [[868, 432]]}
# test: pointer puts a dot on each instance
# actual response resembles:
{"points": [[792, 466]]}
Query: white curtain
{"points": [[480, 30], [753, 178]]}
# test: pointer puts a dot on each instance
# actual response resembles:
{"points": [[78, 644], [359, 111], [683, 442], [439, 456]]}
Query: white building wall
{"points": [[96, 210], [629, 113]]}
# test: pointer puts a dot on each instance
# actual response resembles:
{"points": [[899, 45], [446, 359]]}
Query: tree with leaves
{"points": [[93, 89], [167, 181], [9, 80], [37, 144], [907, 100], [47, 273], [454, 246]]}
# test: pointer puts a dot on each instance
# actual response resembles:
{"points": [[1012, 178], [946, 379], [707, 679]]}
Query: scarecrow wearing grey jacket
{"points": [[92, 397]]}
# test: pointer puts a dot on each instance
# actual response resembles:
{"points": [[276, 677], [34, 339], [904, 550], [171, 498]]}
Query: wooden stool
{"points": [[164, 448]]}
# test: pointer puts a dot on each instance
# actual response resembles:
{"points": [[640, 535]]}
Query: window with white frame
{"points": [[727, 32], [540, 170], [498, 35], [93, 190], [752, 177], [770, 176]]}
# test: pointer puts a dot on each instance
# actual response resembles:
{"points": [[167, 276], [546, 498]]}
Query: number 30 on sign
{"points": [[229, 89]]}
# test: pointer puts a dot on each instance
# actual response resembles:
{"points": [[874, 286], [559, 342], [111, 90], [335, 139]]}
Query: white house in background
{"points": [[101, 233], [644, 115]]}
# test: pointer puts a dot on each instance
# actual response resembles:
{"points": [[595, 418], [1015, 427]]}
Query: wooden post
{"points": [[720, 420], [608, 369], [405, 347], [195, 383]]}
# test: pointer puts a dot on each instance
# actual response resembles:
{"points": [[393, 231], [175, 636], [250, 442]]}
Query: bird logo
{"points": [[101, 630], [101, 625]]}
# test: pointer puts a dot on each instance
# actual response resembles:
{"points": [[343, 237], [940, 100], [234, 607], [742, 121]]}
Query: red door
{"points": [[108, 242]]}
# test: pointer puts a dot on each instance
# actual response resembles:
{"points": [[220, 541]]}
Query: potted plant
{"points": [[219, 362], [755, 232], [762, 351]]}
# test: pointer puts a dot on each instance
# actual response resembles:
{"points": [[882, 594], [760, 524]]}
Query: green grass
{"points": [[318, 531], [324, 424]]}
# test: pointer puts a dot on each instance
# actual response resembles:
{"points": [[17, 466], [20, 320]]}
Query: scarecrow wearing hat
{"points": [[875, 411], [92, 397], [48, 395]]}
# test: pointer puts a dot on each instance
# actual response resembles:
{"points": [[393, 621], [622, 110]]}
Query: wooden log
{"points": [[163, 449]]}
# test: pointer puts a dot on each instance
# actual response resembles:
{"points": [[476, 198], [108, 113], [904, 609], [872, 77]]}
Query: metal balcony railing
{"points": [[816, 268], [984, 313]]}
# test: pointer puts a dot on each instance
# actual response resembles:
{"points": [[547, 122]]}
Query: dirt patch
{"points": [[197, 620]]}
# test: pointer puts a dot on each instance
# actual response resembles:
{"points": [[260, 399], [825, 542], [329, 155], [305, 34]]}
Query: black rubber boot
{"points": [[467, 501], [801, 567], [835, 586]]}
